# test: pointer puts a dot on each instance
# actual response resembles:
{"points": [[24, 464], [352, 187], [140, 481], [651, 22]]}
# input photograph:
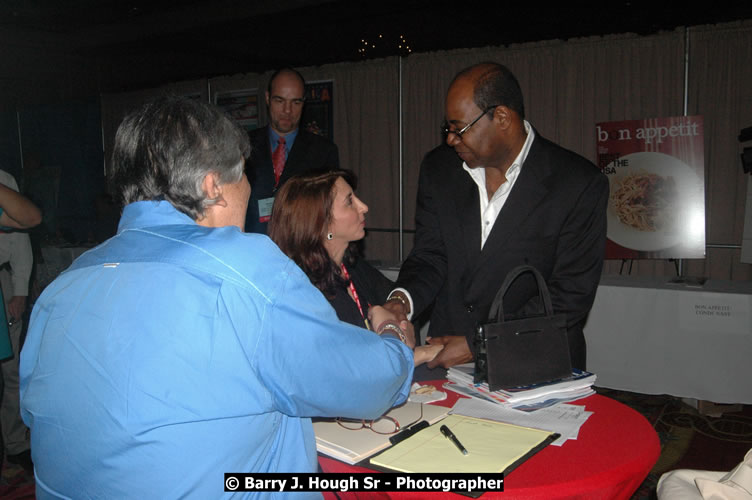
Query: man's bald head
{"points": [[493, 85]]}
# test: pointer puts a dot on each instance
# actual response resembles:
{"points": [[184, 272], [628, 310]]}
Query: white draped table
{"points": [[648, 336]]}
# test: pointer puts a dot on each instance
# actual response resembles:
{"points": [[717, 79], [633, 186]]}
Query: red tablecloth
{"points": [[615, 450]]}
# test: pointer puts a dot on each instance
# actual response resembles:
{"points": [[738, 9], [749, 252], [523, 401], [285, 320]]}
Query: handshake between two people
{"points": [[444, 351], [380, 315]]}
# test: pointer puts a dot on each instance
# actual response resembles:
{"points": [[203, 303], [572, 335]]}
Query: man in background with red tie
{"points": [[281, 149]]}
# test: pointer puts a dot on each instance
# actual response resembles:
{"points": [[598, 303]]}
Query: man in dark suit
{"points": [[271, 162], [495, 196]]}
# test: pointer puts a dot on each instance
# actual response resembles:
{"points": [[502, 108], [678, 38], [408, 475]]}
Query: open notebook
{"points": [[353, 446], [492, 447]]}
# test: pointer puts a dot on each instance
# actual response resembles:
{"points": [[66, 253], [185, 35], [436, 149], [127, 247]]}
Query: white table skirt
{"points": [[645, 335]]}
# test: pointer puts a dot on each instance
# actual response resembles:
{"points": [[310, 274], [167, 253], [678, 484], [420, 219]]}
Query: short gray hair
{"points": [[164, 150]]}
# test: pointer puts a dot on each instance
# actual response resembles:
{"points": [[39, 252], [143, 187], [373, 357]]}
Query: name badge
{"points": [[265, 209]]}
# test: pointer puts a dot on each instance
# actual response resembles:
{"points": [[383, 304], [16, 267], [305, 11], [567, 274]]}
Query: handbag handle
{"points": [[497, 307]]}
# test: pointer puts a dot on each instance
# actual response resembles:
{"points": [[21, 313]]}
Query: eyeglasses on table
{"points": [[385, 424]]}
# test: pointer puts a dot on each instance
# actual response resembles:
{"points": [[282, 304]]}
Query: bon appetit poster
{"points": [[655, 169]]}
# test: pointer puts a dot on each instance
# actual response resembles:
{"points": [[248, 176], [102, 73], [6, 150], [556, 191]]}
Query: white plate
{"points": [[688, 187]]}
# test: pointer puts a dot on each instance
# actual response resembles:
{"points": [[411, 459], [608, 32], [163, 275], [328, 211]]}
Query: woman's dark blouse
{"points": [[372, 287]]}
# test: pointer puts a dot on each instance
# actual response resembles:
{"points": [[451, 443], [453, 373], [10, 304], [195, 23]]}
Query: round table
{"points": [[615, 450]]}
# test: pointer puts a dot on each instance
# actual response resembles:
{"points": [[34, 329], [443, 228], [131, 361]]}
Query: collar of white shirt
{"points": [[489, 209]]}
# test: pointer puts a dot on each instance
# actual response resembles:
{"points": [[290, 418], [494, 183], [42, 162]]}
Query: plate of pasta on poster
{"points": [[652, 197]]}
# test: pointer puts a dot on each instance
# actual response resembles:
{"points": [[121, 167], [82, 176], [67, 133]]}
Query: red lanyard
{"points": [[355, 295]]}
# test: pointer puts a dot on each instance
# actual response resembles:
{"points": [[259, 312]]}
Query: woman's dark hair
{"points": [[164, 150], [300, 217]]}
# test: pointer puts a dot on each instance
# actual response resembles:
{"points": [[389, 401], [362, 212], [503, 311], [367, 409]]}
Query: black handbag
{"points": [[522, 351]]}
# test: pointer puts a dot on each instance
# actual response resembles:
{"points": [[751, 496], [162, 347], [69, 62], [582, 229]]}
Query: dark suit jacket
{"points": [[309, 152], [554, 219]]}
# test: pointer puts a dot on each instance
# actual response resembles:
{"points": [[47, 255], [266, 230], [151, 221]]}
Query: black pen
{"points": [[449, 434]]}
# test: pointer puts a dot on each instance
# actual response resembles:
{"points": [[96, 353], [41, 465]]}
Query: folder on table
{"points": [[492, 447], [352, 446]]}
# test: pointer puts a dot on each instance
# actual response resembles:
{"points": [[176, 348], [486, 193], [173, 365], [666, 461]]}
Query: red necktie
{"points": [[278, 160]]}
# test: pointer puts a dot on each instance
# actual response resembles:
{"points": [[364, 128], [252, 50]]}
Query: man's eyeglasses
{"points": [[445, 130], [382, 425]]}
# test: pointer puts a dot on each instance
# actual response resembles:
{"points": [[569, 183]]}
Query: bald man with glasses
{"points": [[497, 195]]}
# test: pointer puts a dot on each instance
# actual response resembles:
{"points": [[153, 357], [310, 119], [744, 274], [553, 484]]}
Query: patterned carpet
{"points": [[688, 439], [16, 483]]}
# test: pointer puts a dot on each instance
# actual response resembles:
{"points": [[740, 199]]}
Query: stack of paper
{"points": [[531, 397], [563, 419]]}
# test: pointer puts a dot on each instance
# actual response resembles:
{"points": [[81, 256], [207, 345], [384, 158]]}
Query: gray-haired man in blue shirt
{"points": [[183, 348]]}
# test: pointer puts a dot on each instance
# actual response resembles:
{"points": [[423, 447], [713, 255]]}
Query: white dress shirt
{"points": [[489, 209]]}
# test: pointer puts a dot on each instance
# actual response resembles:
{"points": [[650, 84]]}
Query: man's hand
{"points": [[397, 304], [16, 307], [455, 352], [396, 308]]}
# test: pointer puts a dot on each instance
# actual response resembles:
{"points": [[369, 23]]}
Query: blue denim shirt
{"points": [[173, 353]]}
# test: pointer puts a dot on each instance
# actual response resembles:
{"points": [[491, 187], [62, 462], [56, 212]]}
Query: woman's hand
{"points": [[378, 316], [456, 351], [425, 353]]}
